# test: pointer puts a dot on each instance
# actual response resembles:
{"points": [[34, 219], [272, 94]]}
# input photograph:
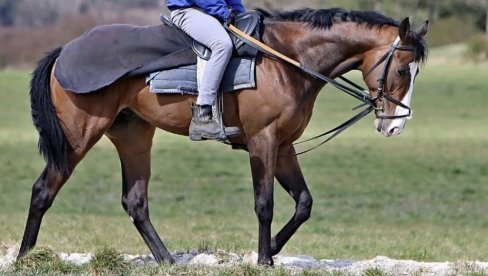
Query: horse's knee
{"points": [[264, 209], [304, 207], [136, 208], [135, 204]]}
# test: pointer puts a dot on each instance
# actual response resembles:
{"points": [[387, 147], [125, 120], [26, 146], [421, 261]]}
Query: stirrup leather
{"points": [[217, 111], [212, 127]]}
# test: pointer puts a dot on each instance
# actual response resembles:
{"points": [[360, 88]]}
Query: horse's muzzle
{"points": [[390, 127]]}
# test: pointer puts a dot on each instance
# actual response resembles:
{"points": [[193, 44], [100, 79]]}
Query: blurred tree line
{"points": [[54, 22], [40, 12]]}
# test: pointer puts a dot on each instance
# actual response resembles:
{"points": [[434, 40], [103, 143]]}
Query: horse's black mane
{"points": [[325, 18]]}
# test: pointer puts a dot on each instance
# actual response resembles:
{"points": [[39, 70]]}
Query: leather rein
{"points": [[349, 87]]}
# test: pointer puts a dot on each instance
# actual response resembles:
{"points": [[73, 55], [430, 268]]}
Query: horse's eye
{"points": [[402, 71]]}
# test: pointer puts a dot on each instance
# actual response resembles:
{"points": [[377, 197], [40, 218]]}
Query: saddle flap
{"points": [[248, 23], [201, 50]]}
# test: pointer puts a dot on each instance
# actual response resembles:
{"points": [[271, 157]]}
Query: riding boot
{"points": [[206, 126]]}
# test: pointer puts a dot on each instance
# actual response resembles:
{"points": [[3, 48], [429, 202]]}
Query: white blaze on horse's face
{"points": [[393, 127], [414, 67]]}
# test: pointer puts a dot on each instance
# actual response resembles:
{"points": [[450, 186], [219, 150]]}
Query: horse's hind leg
{"points": [[44, 191], [133, 139], [47, 187], [289, 175]]}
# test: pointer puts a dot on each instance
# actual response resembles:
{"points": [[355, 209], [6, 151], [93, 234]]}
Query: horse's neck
{"points": [[332, 52]]}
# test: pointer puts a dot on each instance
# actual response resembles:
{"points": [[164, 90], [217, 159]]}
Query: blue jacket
{"points": [[217, 8]]}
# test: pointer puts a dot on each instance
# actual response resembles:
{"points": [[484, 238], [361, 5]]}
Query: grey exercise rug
{"points": [[106, 53]]}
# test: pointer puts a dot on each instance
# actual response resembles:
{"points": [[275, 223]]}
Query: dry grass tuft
{"points": [[37, 258], [108, 261]]}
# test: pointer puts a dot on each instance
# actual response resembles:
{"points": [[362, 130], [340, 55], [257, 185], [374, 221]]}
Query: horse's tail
{"points": [[52, 141]]}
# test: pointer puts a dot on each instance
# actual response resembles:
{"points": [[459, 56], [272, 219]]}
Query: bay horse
{"points": [[271, 117]]}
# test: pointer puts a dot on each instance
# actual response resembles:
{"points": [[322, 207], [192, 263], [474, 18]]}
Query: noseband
{"points": [[382, 93]]}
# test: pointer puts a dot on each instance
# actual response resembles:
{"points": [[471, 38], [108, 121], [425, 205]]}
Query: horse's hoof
{"points": [[170, 260], [265, 261], [166, 260]]}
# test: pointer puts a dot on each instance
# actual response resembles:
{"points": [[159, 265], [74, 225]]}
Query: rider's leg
{"points": [[208, 31]]}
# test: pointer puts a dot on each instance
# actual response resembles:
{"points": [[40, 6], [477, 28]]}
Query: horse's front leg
{"points": [[262, 154], [289, 175]]}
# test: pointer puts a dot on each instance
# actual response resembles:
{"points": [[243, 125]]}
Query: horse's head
{"points": [[389, 72]]}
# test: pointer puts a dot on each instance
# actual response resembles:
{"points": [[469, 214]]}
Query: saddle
{"points": [[248, 22], [239, 74]]}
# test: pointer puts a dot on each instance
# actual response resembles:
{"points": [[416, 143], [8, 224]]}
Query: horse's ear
{"points": [[422, 31], [404, 28]]}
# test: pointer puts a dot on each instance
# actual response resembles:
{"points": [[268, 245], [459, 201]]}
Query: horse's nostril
{"points": [[393, 130]]}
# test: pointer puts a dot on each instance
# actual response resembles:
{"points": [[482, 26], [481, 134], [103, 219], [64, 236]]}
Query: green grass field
{"points": [[422, 195]]}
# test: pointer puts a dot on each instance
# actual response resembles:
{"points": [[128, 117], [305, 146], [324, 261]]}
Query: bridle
{"points": [[382, 93], [362, 94], [349, 87]]}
